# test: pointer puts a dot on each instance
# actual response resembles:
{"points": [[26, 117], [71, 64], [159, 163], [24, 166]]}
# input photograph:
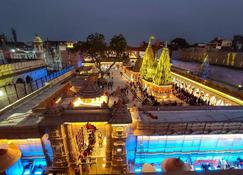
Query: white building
{"points": [[51, 54]]}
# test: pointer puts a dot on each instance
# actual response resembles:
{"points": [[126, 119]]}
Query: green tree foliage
{"points": [[118, 45], [96, 48], [179, 43], [3, 39]]}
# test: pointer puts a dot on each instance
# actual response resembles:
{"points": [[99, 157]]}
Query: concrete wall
{"points": [[217, 57], [9, 69]]}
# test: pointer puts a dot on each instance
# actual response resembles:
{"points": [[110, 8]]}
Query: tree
{"points": [[179, 43], [96, 48], [3, 39], [118, 45], [14, 34]]}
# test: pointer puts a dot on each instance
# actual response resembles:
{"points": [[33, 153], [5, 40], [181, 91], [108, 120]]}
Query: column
{"points": [[108, 145], [72, 147], [60, 159]]}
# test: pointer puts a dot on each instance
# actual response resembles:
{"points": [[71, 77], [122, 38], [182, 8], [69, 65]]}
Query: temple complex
{"points": [[80, 126]]}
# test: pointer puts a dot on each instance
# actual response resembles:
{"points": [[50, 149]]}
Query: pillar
{"points": [[108, 145], [48, 161], [60, 159], [72, 147]]}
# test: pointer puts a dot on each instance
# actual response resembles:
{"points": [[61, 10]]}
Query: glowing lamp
{"points": [[138, 170], [90, 101], [1, 93], [119, 150], [70, 45], [38, 172], [198, 169], [27, 172], [158, 169], [58, 100]]}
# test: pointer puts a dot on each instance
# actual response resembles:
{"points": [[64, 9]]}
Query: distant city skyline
{"points": [[194, 20]]}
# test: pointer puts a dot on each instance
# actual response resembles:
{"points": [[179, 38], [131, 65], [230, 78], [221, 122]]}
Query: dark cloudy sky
{"points": [[196, 20]]}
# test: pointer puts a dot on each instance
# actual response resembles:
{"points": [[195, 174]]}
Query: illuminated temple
{"points": [[73, 128], [156, 74]]}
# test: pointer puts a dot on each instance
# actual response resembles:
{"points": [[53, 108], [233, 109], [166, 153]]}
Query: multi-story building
{"points": [[218, 43], [50, 53], [238, 43]]}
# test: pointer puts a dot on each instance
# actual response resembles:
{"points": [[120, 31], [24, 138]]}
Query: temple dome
{"points": [[9, 156], [120, 114], [37, 39], [90, 90], [174, 164]]}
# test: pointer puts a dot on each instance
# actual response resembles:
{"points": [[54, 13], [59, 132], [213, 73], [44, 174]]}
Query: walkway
{"points": [[121, 81]]}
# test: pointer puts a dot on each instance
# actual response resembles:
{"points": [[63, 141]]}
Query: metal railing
{"points": [[13, 92]]}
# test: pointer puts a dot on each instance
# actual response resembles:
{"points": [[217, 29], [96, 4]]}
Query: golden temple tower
{"points": [[149, 62], [162, 74]]}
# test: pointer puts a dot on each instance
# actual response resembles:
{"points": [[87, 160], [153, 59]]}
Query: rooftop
{"points": [[178, 114]]}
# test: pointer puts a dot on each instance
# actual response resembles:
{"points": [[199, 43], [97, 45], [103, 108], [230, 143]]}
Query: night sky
{"points": [[195, 20]]}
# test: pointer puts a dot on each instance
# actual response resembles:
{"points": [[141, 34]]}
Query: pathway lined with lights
{"points": [[122, 81]]}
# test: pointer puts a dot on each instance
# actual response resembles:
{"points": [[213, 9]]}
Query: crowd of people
{"points": [[140, 93], [222, 164], [107, 82], [145, 97], [189, 98]]}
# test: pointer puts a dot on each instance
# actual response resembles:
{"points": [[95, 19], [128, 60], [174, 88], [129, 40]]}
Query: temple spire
{"points": [[204, 68], [147, 68], [165, 44], [162, 74], [150, 40]]}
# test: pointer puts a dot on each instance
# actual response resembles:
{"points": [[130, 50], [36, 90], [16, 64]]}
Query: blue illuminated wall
{"points": [[131, 144], [32, 160], [15, 169], [39, 73], [35, 74], [154, 149]]}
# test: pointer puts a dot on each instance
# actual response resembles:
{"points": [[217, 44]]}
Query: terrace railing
{"points": [[13, 92]]}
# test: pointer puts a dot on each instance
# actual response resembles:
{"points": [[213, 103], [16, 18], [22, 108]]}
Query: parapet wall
{"points": [[8, 69], [216, 57]]}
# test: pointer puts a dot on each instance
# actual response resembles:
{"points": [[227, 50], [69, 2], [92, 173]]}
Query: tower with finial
{"points": [[38, 47], [149, 62], [204, 68], [162, 74]]}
